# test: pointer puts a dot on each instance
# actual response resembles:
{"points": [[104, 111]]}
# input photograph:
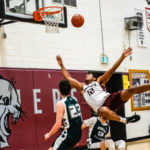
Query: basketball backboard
{"points": [[22, 10]]}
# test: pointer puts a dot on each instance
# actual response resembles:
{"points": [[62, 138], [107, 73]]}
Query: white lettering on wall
{"points": [[56, 97], [36, 100]]}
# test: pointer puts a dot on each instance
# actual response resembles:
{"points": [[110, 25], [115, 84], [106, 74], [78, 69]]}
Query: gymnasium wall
{"points": [[30, 96], [28, 46]]}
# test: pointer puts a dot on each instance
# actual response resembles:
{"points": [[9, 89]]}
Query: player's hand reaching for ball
{"points": [[127, 52], [59, 60]]}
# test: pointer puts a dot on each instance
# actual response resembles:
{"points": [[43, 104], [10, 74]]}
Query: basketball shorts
{"points": [[93, 145], [67, 139], [114, 101]]}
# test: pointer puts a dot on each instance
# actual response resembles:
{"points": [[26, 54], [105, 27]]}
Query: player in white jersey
{"points": [[95, 95], [105, 104]]}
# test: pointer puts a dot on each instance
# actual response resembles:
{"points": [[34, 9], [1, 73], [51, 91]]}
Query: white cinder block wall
{"points": [[28, 46]]}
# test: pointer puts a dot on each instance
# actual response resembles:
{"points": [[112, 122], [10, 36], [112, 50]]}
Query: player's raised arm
{"points": [[89, 122], [76, 84], [107, 75]]}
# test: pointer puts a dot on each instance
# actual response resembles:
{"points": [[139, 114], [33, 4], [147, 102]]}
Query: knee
{"points": [[120, 144], [130, 90], [103, 111], [110, 144]]}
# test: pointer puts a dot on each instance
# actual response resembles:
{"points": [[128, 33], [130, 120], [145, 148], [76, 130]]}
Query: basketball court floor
{"points": [[139, 145]]}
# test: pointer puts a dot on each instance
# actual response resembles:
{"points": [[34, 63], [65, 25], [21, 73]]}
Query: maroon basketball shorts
{"points": [[114, 101]]}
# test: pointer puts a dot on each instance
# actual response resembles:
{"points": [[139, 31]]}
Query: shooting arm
{"points": [[107, 75], [76, 84]]}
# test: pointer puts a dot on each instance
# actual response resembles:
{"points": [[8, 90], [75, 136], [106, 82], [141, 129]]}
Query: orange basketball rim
{"points": [[38, 15]]}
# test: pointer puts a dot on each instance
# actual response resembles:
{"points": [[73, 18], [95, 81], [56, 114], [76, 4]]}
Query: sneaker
{"points": [[133, 118]]}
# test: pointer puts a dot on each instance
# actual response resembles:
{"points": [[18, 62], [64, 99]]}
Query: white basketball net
{"points": [[51, 21]]}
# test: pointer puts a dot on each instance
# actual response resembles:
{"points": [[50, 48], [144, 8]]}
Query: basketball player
{"points": [[67, 113], [102, 102], [98, 131]]}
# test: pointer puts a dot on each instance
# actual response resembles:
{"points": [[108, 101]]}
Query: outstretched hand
{"points": [[59, 60], [46, 136], [127, 52]]}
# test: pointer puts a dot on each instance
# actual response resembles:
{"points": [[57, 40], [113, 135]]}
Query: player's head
{"points": [[64, 87], [90, 77]]}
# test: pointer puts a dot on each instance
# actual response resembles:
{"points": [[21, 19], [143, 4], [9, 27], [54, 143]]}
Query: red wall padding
{"points": [[28, 132]]}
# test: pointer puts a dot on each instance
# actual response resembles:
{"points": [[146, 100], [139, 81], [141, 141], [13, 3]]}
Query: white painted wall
{"points": [[28, 46], [115, 38]]}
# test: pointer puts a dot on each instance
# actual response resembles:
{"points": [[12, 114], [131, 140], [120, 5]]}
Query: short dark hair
{"points": [[64, 87], [94, 74]]}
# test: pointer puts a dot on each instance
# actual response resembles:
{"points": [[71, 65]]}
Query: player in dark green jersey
{"points": [[68, 116], [98, 131]]}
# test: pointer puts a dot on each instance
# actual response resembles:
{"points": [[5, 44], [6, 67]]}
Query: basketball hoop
{"points": [[51, 16]]}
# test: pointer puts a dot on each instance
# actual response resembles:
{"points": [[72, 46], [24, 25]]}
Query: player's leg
{"points": [[102, 145], [128, 93], [92, 146], [112, 105], [120, 145], [50, 148], [108, 114], [99, 145], [109, 143]]}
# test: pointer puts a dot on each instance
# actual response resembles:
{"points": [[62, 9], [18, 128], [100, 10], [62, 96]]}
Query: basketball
{"points": [[77, 20]]}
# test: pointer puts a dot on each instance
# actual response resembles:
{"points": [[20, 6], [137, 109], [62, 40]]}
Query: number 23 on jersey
{"points": [[75, 111]]}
